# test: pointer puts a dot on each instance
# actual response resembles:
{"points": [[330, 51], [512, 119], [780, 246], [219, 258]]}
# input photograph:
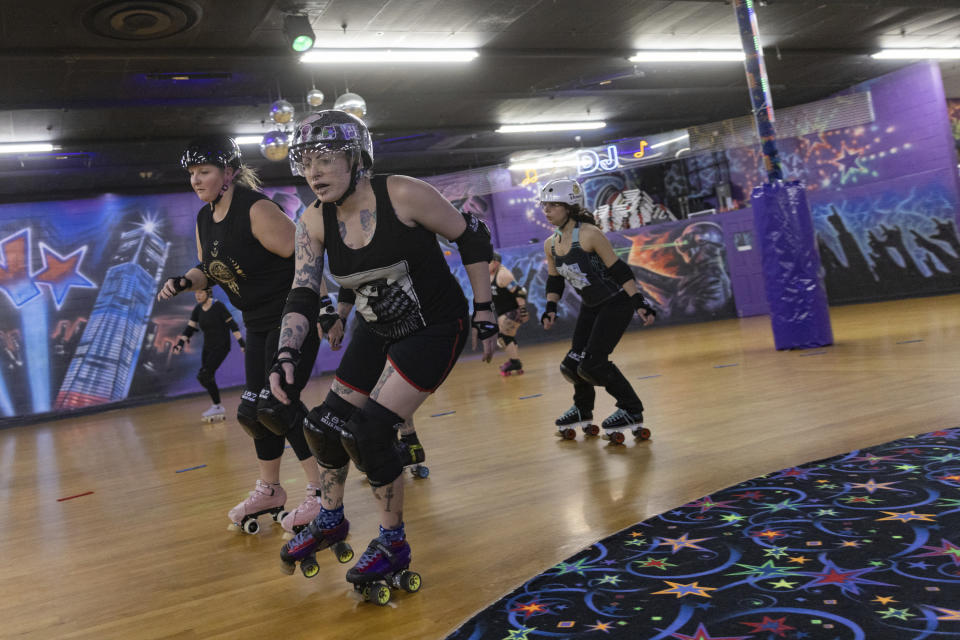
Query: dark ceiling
{"points": [[95, 76]]}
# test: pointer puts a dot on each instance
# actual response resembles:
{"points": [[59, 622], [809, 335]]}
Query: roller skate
{"points": [[571, 419], [511, 367], [304, 546], [619, 421], [263, 499], [412, 454], [216, 413], [383, 566], [296, 520]]}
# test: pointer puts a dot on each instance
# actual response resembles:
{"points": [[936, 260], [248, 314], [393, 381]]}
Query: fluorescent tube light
{"points": [[677, 55], [550, 126], [917, 54], [25, 147], [361, 56], [560, 162], [245, 139]]}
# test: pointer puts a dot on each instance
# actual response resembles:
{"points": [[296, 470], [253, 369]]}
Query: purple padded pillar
{"points": [[799, 313]]}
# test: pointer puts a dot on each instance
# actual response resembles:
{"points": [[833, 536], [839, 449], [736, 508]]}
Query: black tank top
{"points": [[256, 280], [401, 278], [504, 301], [213, 325], [585, 271]]}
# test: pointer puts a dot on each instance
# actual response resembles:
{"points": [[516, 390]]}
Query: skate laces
{"points": [[571, 412]]}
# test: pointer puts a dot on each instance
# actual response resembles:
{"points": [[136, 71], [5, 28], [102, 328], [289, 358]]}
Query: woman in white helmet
{"points": [[580, 254], [379, 234]]}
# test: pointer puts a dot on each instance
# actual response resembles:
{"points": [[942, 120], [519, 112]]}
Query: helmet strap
{"points": [[354, 179]]}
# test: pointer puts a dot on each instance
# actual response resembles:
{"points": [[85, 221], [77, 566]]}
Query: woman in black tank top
{"points": [[580, 254], [245, 244], [379, 235]]}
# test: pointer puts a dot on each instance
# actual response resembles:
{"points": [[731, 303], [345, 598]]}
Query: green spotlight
{"points": [[298, 32]]}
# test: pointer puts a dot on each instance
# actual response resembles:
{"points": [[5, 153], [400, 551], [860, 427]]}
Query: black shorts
{"points": [[423, 359]]}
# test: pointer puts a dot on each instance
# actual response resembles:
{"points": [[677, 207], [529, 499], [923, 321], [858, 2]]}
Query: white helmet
{"points": [[562, 190]]}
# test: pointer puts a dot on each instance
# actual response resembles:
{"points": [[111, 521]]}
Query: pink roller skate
{"points": [[511, 367], [305, 512], [263, 499]]}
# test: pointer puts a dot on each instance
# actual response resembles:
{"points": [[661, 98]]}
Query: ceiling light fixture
{"points": [[248, 139], [917, 54], [298, 31], [26, 147], [362, 56], [551, 126], [677, 55]]}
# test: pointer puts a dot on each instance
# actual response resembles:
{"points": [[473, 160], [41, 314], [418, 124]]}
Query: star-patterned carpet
{"points": [[864, 545]]}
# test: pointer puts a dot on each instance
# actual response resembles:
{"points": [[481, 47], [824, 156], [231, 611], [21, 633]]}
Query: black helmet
{"points": [[221, 151], [330, 130]]}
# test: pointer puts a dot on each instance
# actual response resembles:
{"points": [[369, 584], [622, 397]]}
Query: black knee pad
{"points": [[568, 367], [323, 429], [598, 371], [280, 418], [370, 438], [205, 377], [247, 416], [507, 340]]}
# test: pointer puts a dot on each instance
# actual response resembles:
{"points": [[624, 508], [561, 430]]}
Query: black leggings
{"points": [[258, 358], [595, 336], [210, 361]]}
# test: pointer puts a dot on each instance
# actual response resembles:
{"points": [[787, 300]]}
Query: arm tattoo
{"points": [[293, 330], [387, 372], [309, 263]]}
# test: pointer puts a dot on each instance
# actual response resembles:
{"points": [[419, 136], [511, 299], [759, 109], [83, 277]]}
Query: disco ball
{"points": [[275, 145], [315, 97], [281, 112], [352, 104]]}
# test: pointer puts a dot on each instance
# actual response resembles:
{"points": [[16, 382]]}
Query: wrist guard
{"points": [[180, 344], [284, 355], [177, 287], [551, 308], [328, 314], [639, 302], [485, 328], [242, 343]]}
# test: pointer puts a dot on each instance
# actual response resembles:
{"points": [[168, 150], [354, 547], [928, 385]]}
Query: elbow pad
{"points": [[232, 325], [620, 272], [305, 301], [555, 284], [189, 331], [474, 243]]}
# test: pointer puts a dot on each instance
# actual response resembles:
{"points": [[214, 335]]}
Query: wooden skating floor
{"points": [[147, 554]]}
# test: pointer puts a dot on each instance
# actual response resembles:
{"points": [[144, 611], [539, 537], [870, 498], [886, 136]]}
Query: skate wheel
{"points": [[410, 581], [309, 567], [279, 515], [287, 567], [642, 433], [420, 471], [251, 526], [615, 437], [343, 551], [591, 430], [568, 434], [380, 594]]}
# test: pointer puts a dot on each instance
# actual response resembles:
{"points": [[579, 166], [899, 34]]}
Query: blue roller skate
{"points": [[304, 546], [573, 417], [619, 421], [384, 565]]}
